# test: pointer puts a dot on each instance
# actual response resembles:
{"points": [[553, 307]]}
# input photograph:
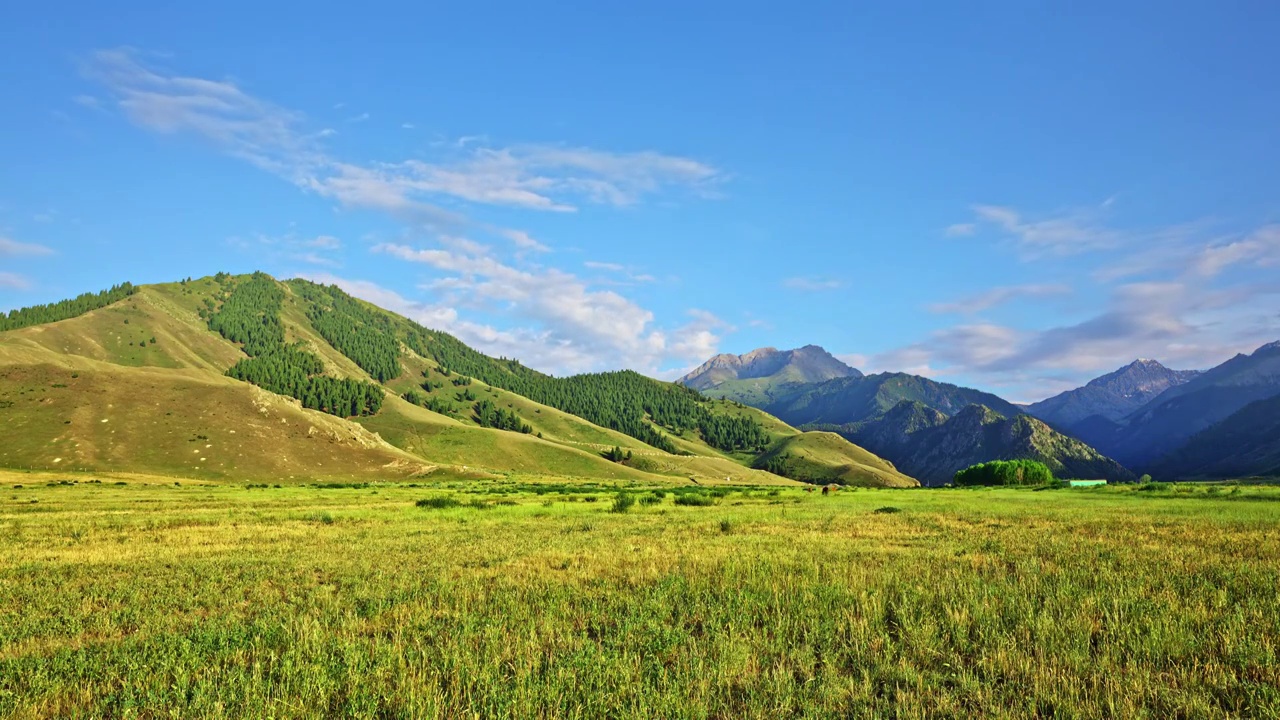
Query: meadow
{"points": [[136, 597]]}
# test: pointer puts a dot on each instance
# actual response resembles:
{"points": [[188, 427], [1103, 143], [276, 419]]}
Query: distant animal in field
{"points": [[828, 489]]}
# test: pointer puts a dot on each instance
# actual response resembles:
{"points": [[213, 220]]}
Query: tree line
{"points": [[624, 401], [65, 309], [250, 315], [619, 400], [365, 336], [1005, 472]]}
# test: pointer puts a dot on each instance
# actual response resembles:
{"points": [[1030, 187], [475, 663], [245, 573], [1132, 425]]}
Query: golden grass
{"points": [[149, 600]]}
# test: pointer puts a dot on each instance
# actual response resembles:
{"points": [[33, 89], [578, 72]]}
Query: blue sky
{"points": [[1002, 195]]}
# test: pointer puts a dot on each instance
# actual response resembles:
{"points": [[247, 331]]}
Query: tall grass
{"points": [[149, 601]]}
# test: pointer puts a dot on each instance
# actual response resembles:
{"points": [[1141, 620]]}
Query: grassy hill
{"points": [[149, 364], [825, 457]]}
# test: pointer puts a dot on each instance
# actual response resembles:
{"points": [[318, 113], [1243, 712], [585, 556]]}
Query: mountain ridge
{"points": [[1113, 395]]}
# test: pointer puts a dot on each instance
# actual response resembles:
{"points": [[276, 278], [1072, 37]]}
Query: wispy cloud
{"points": [[571, 325], [629, 275], [811, 284], [316, 250], [1061, 235], [13, 248], [327, 242], [545, 177], [1186, 325], [1260, 248], [13, 281], [1073, 232], [998, 296]]}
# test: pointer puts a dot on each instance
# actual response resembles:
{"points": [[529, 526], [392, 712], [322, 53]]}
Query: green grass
{"points": [[205, 600]]}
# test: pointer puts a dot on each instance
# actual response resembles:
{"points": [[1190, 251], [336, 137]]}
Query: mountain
{"points": [[928, 445], [762, 375], [1112, 396], [856, 399], [249, 378], [1169, 420], [925, 428], [1245, 444]]}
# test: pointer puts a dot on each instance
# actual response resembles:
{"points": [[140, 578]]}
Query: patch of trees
{"points": [[1005, 472], [625, 401], [65, 309], [250, 315], [617, 455], [365, 336], [491, 416]]}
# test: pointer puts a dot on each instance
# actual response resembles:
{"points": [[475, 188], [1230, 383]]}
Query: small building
{"points": [[1086, 483]]}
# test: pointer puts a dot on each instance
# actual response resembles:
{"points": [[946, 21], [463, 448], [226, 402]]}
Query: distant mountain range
{"points": [[928, 445], [1151, 436], [1112, 396], [1143, 417]]}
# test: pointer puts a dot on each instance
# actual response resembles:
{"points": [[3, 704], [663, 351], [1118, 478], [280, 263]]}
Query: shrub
{"points": [[653, 499], [726, 527], [438, 503], [1005, 472], [887, 510], [622, 502], [692, 500]]}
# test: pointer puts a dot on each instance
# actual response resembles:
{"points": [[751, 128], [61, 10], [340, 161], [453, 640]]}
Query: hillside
{"points": [[757, 376], [1111, 396], [1169, 420], [310, 383], [1246, 444], [825, 457], [927, 444], [856, 399]]}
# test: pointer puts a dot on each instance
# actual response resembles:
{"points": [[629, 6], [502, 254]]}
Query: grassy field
{"points": [[128, 598]]}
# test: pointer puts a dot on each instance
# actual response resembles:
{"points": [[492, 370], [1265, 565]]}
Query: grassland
{"points": [[150, 599]]}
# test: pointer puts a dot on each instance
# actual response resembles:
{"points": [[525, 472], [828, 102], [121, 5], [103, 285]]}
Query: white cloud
{"points": [[998, 296], [597, 265], [534, 176], [13, 281], [407, 126], [593, 329], [13, 248], [326, 242], [811, 284], [961, 229], [358, 118], [1064, 235], [574, 326], [523, 240], [1261, 248], [1184, 325]]}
